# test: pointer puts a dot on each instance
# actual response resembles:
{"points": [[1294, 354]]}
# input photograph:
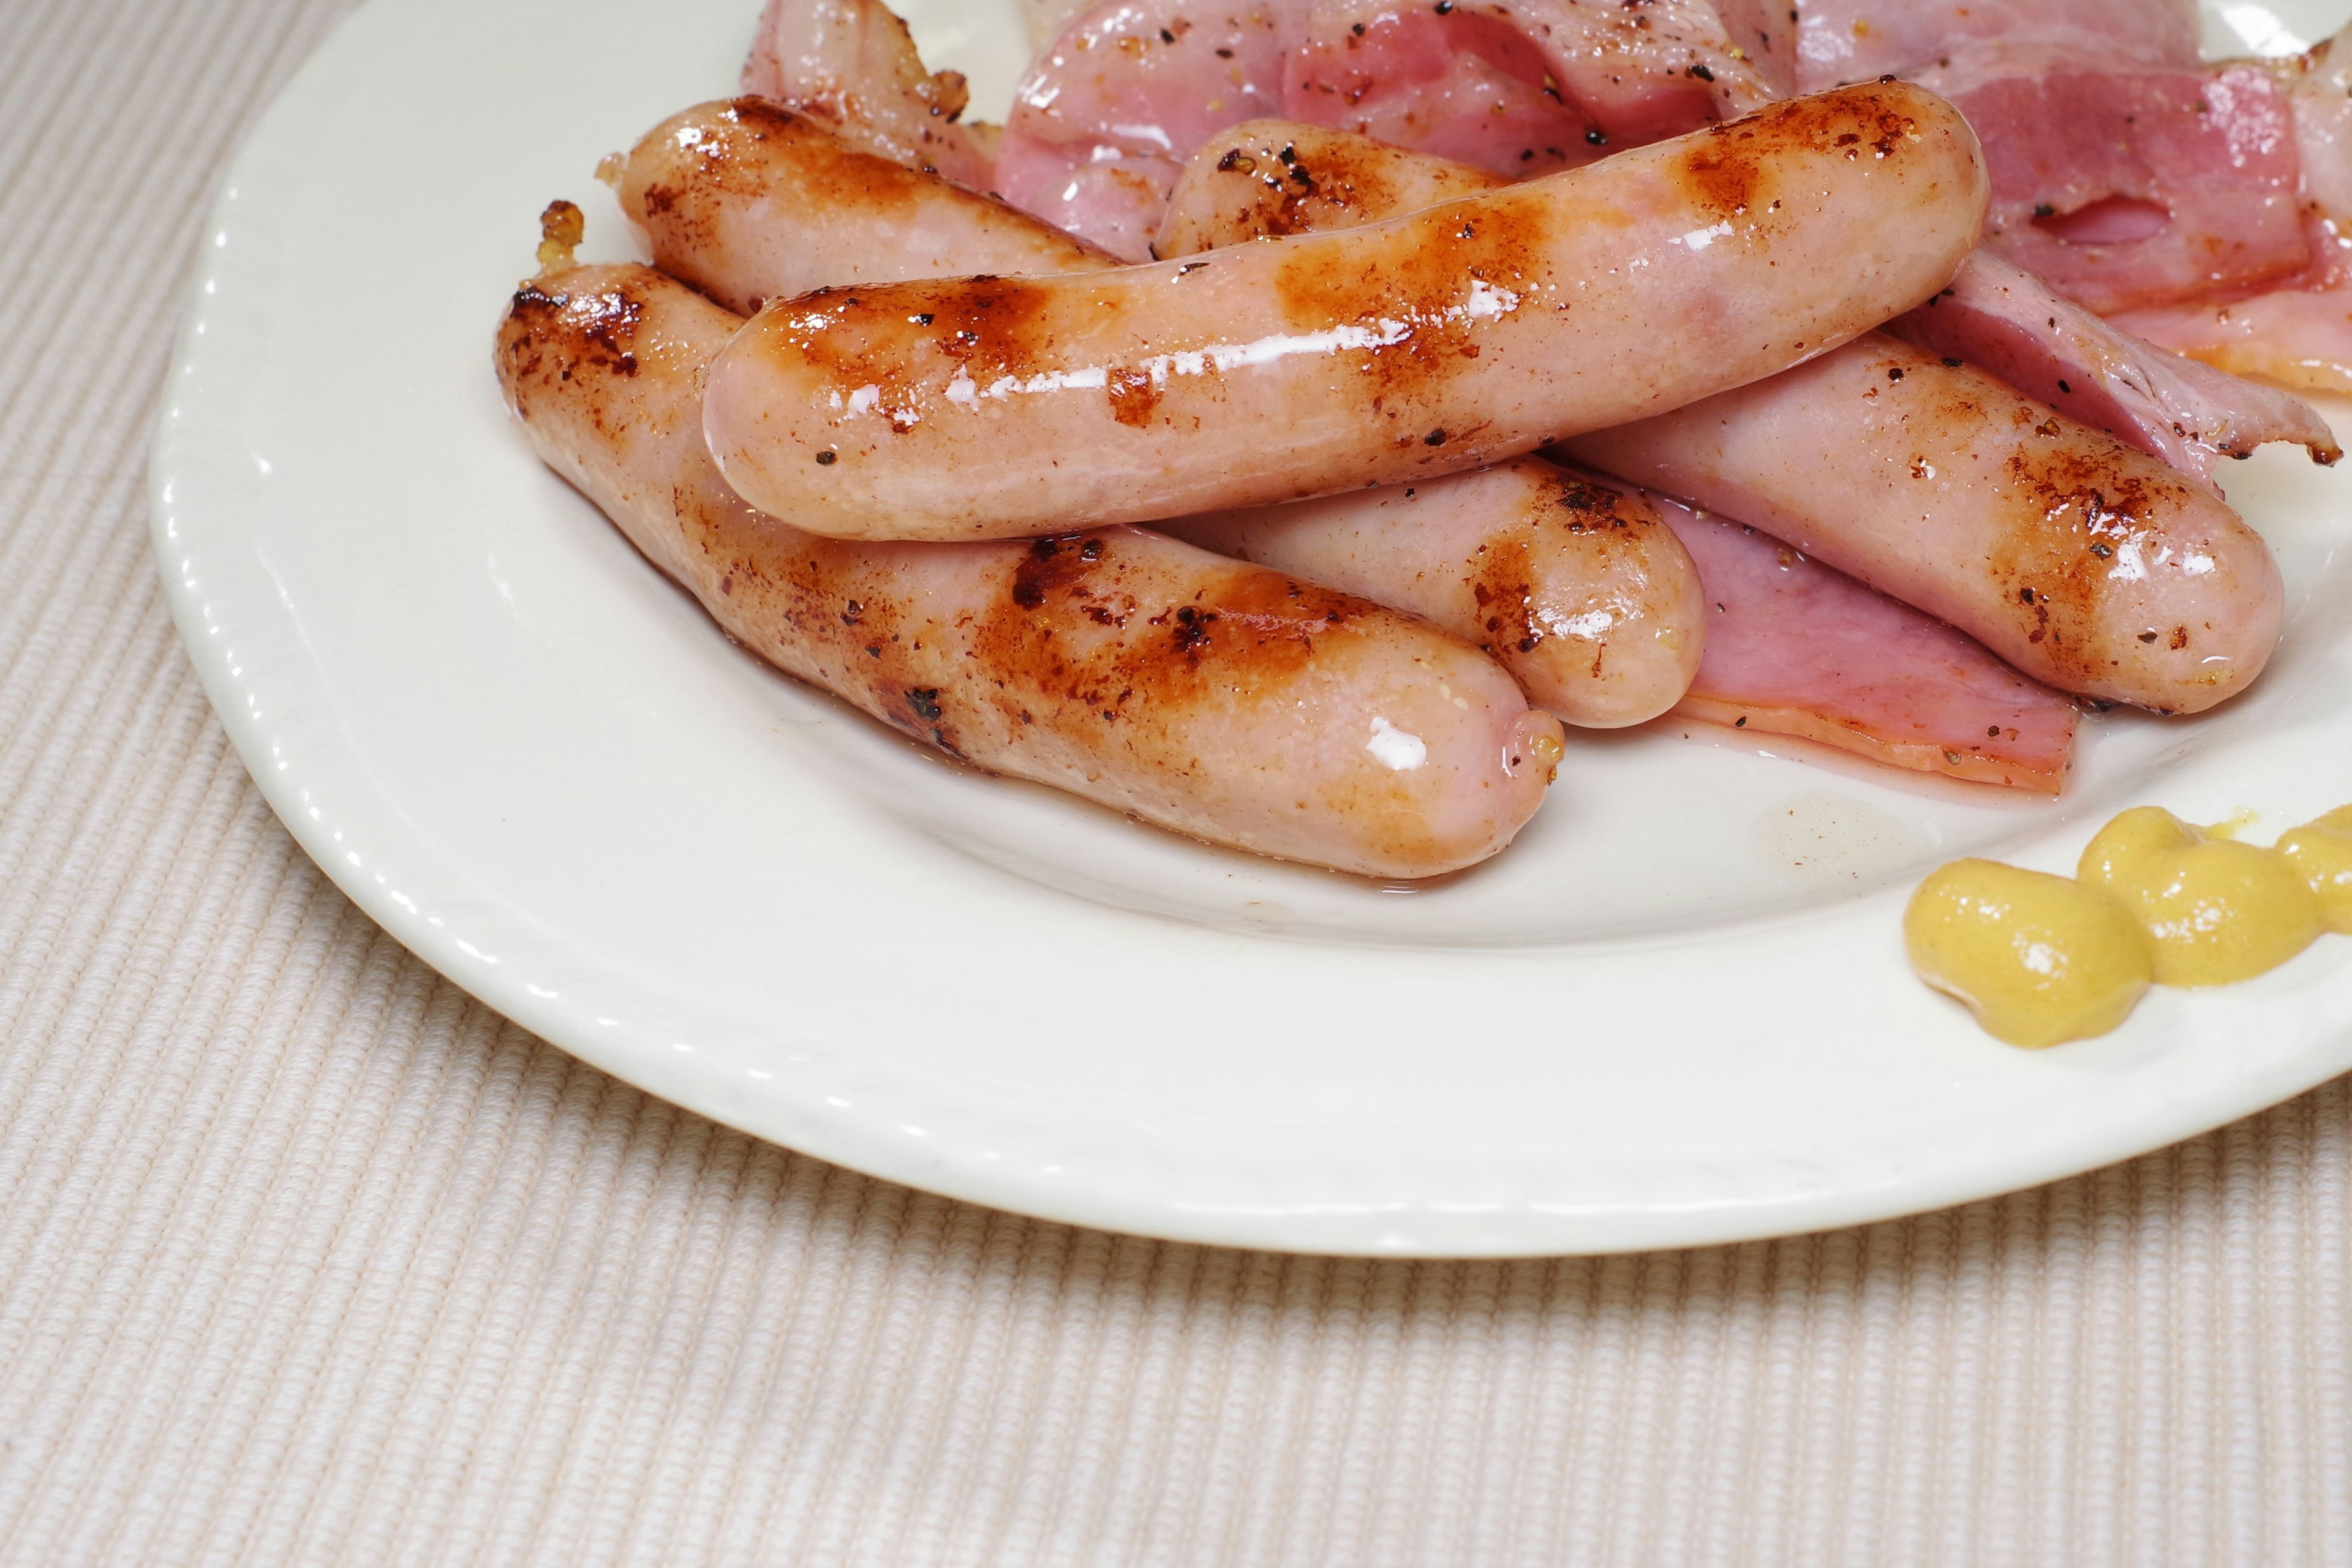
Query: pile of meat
{"points": [[1300, 409]]}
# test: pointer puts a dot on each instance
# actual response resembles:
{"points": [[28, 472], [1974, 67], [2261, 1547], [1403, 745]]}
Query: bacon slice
{"points": [[2056, 91], [1851, 40], [852, 65], [1794, 647], [2300, 337], [2008, 322], [2126, 189], [2301, 334], [1109, 110], [1130, 89], [1632, 74], [1464, 86]]}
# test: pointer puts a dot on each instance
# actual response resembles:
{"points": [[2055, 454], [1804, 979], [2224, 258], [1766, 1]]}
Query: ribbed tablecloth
{"points": [[305, 1257]]}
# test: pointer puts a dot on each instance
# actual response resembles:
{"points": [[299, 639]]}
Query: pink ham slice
{"points": [[2301, 334], [1794, 647], [1462, 85], [2008, 322], [2124, 189], [1853, 40], [1111, 109], [1130, 89], [1631, 74], [850, 65], [2300, 337]]}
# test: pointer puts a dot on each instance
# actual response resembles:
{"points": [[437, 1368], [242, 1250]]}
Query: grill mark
{"points": [[1133, 396], [1078, 621], [887, 337], [1729, 170], [2053, 559], [1421, 276]]}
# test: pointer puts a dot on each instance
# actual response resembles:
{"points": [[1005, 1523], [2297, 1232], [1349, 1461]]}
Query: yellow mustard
{"points": [[2322, 851], [2215, 911], [2041, 959]]}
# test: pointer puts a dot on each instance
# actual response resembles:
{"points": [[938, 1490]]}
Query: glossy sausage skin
{"points": [[1594, 604], [1218, 698], [1265, 178], [1454, 337], [1577, 586], [2082, 560], [749, 202], [2086, 563]]}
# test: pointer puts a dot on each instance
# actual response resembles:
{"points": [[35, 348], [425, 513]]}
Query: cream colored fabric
{"points": [[305, 1257]]}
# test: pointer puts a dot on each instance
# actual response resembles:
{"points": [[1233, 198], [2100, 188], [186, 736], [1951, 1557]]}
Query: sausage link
{"points": [[2086, 563], [1578, 588], [1454, 337], [2081, 559], [1585, 599], [1219, 698], [749, 202]]}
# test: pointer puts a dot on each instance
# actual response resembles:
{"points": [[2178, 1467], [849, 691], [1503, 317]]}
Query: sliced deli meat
{"points": [[2006, 320], [1856, 40], [1465, 85], [1130, 89], [2300, 335], [1795, 648], [2126, 189], [1631, 74], [1109, 110], [853, 66]]}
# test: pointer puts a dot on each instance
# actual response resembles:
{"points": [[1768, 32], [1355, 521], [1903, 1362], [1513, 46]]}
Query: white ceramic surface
{"points": [[1676, 1011]]}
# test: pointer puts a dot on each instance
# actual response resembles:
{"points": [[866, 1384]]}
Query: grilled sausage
{"points": [[749, 202], [1218, 698], [1582, 594], [1578, 587], [1454, 337], [2083, 561]]}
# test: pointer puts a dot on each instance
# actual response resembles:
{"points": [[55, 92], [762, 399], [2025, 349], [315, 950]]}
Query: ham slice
{"points": [[1130, 89], [1851, 40], [1111, 108], [1632, 74], [1112, 200], [2225, 235], [1794, 647], [2300, 335], [852, 67], [2124, 189], [2318, 87], [2008, 322], [1462, 86]]}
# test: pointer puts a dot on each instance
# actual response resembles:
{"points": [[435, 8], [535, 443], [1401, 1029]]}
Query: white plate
{"points": [[1676, 1011]]}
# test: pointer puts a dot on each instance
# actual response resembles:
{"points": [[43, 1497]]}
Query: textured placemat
{"points": [[305, 1257]]}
